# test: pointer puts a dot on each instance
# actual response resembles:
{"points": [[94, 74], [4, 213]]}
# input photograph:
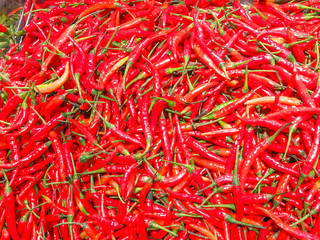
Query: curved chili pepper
{"points": [[56, 144], [175, 39], [11, 104], [293, 231], [197, 147], [69, 31], [312, 156], [254, 153], [29, 158], [136, 51], [20, 117], [127, 184], [47, 88]]}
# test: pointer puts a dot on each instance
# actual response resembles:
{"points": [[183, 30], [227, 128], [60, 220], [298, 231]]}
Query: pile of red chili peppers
{"points": [[151, 119]]}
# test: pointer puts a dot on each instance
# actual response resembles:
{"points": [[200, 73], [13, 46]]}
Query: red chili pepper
{"points": [[56, 144], [29, 158], [66, 151], [232, 156], [255, 153], [156, 78], [31, 183], [127, 184], [54, 121], [11, 104], [10, 209], [28, 228], [312, 156], [136, 51], [69, 31], [175, 39], [205, 58], [197, 147], [293, 231]]}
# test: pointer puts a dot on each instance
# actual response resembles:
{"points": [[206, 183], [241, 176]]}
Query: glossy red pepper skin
{"points": [[312, 156], [10, 212], [11, 104], [194, 145], [28, 158], [157, 132]]}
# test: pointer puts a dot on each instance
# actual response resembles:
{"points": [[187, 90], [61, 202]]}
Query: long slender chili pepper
{"points": [[10, 209], [134, 55], [232, 156], [56, 144], [255, 153], [155, 78], [284, 226], [20, 118], [54, 121], [70, 31], [32, 117], [11, 104], [175, 39], [98, 6], [312, 156], [237, 190], [28, 158], [205, 58], [197, 147], [143, 105]]}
